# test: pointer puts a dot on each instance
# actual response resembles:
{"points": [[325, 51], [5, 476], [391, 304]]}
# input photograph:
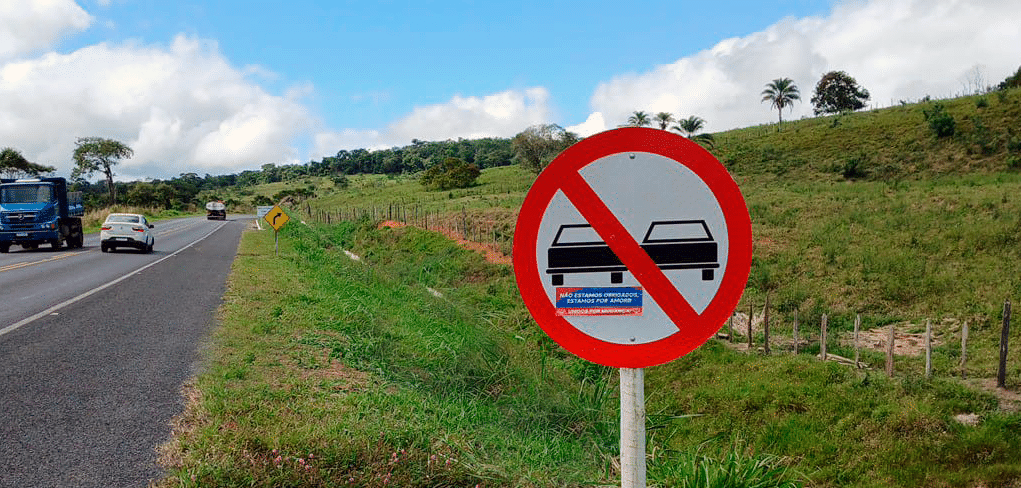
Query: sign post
{"points": [[632, 249], [276, 219]]}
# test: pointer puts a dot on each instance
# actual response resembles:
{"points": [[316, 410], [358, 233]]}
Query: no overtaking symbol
{"points": [[570, 175]]}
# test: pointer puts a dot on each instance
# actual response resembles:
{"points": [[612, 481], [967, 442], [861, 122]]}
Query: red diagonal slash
{"points": [[627, 249]]}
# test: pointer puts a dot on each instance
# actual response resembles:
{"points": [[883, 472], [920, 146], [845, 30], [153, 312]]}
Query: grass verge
{"points": [[328, 371]]}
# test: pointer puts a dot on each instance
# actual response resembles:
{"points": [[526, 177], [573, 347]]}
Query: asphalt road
{"points": [[94, 348]]}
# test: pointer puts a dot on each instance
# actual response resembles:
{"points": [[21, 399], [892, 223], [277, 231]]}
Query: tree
{"points": [[14, 164], [664, 119], [449, 174], [638, 119], [838, 92], [1011, 81], [537, 145], [690, 126], [781, 93], [98, 154]]}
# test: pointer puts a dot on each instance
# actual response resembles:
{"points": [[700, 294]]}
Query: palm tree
{"points": [[664, 119], [690, 125], [781, 93], [638, 119]]}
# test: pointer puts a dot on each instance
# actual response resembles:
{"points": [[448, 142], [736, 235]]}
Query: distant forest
{"points": [[184, 190]]}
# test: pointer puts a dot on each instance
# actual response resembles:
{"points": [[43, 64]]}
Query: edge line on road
{"points": [[48, 311]]}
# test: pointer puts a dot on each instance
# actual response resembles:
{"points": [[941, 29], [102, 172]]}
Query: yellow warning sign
{"points": [[276, 217]]}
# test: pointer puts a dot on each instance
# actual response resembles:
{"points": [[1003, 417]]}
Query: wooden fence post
{"points": [[964, 350], [1001, 374], [730, 329], [765, 326], [795, 332], [751, 310], [928, 348], [889, 354], [822, 341]]}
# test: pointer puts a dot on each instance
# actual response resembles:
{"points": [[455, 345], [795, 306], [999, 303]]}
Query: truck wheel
{"points": [[5, 248], [616, 277], [103, 248], [707, 274], [558, 279], [55, 243]]}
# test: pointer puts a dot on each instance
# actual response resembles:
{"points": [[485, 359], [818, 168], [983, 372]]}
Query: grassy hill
{"points": [[417, 365]]}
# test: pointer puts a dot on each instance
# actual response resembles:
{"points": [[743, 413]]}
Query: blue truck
{"points": [[39, 211]]}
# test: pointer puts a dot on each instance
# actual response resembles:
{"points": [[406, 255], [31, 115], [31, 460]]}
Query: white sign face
{"points": [[663, 205], [262, 210]]}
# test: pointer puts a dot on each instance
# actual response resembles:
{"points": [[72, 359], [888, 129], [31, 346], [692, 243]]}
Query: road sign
{"points": [[276, 217], [632, 247], [262, 210]]}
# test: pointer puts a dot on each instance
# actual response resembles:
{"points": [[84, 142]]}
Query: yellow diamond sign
{"points": [[276, 217]]}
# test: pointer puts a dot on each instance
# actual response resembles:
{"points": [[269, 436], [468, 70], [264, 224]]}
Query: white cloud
{"points": [[897, 49], [593, 124], [182, 108], [33, 25], [501, 114]]}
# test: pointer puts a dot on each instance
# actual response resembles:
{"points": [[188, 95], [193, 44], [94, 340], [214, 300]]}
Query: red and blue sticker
{"points": [[593, 301]]}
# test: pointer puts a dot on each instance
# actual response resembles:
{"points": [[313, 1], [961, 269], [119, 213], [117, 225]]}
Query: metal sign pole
{"points": [[632, 428], [276, 242]]}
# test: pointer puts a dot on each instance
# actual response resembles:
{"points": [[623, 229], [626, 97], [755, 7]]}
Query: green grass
{"points": [[322, 355], [356, 370]]}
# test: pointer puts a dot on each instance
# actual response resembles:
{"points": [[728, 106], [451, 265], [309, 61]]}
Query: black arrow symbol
{"points": [[275, 219]]}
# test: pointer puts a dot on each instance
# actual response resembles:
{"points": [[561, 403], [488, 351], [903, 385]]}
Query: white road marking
{"points": [[89, 293]]}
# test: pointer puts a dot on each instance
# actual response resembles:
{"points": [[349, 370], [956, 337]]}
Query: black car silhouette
{"points": [[672, 244]]}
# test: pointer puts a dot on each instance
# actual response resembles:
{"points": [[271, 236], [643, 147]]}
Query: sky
{"points": [[218, 87]]}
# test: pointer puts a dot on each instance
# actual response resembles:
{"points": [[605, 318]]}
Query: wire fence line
{"points": [[466, 225], [743, 330]]}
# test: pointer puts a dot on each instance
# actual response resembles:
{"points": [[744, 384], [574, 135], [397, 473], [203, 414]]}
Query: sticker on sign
{"points": [[638, 209]]}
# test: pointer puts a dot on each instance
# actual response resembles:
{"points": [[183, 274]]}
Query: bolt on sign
{"points": [[633, 247]]}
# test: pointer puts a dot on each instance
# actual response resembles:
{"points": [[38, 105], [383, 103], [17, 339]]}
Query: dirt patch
{"points": [[1010, 401], [488, 250]]}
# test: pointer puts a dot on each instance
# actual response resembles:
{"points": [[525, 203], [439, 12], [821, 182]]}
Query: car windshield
{"points": [[26, 194], [577, 234], [127, 219], [688, 230]]}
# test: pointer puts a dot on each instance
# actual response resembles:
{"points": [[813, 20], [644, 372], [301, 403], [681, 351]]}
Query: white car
{"points": [[126, 230]]}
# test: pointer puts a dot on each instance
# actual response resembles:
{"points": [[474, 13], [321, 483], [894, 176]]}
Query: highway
{"points": [[94, 348]]}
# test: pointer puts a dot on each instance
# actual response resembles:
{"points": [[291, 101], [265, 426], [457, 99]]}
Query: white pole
{"points": [[632, 428]]}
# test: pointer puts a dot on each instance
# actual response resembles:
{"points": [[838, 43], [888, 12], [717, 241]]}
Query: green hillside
{"points": [[417, 365]]}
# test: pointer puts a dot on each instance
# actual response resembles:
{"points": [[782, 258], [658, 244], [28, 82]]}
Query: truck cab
{"points": [[39, 211]]}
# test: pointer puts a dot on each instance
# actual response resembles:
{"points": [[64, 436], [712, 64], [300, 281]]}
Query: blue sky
{"points": [[370, 62], [218, 87]]}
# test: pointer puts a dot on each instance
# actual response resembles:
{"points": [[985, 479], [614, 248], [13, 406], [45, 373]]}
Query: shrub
{"points": [[450, 173], [854, 166], [981, 102], [941, 122], [1014, 162]]}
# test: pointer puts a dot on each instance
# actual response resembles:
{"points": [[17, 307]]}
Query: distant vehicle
{"points": [[126, 230], [216, 210], [672, 244], [39, 211]]}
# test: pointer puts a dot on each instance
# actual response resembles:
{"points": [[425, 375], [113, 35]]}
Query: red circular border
{"points": [[689, 336]]}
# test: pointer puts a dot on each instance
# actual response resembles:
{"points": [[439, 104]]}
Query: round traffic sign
{"points": [[632, 247]]}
